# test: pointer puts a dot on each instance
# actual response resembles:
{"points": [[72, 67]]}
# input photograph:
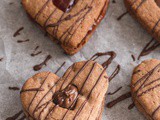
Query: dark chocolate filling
{"points": [[64, 5], [157, 2], [67, 97]]}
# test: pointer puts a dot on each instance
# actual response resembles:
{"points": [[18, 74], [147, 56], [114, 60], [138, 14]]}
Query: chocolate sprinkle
{"points": [[131, 106], [121, 16]]}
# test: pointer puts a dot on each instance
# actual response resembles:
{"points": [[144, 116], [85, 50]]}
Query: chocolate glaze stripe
{"points": [[47, 20], [79, 72], [37, 91], [156, 25], [84, 103], [87, 78], [131, 106], [119, 99], [80, 18], [93, 108], [152, 82], [147, 78], [152, 45], [148, 90], [112, 55], [60, 68], [142, 2], [115, 73], [115, 91], [89, 8], [15, 116], [66, 41], [41, 10], [31, 90], [155, 111], [144, 110]]}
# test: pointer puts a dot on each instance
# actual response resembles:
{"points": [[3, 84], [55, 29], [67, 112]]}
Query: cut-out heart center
{"points": [[64, 5], [67, 97], [158, 2]]}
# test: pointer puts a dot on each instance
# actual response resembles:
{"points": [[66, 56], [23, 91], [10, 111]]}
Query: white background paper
{"points": [[125, 37]]}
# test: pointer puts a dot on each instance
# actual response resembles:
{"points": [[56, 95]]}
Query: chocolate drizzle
{"points": [[67, 35], [14, 117], [142, 84], [121, 16], [22, 41], [131, 106], [31, 90], [14, 88], [133, 57], [36, 53], [60, 68], [18, 32], [119, 99], [71, 106], [115, 73], [151, 46], [115, 91], [44, 63]]}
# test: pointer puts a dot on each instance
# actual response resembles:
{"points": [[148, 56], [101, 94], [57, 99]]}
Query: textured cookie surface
{"points": [[71, 22], [145, 88], [83, 85], [147, 13]]}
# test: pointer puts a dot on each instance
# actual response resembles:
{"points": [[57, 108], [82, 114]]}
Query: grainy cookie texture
{"points": [[146, 12], [145, 88], [70, 23], [78, 95]]}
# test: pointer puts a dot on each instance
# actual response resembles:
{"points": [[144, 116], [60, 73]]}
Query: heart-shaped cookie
{"points": [[70, 22], [147, 13], [78, 95], [145, 88]]}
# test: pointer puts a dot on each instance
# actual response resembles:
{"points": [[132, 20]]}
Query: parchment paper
{"points": [[125, 37]]}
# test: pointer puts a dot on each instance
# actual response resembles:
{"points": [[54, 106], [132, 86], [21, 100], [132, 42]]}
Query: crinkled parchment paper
{"points": [[125, 37]]}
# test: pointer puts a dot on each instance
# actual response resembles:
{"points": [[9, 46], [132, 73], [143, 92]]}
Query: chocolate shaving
{"points": [[44, 63], [121, 16], [18, 32], [13, 88], [21, 41], [113, 1], [151, 46], [119, 99], [115, 91]]}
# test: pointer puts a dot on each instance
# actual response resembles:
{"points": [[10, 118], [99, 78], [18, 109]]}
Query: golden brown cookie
{"points": [[145, 88], [78, 95], [70, 22], [146, 12]]}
